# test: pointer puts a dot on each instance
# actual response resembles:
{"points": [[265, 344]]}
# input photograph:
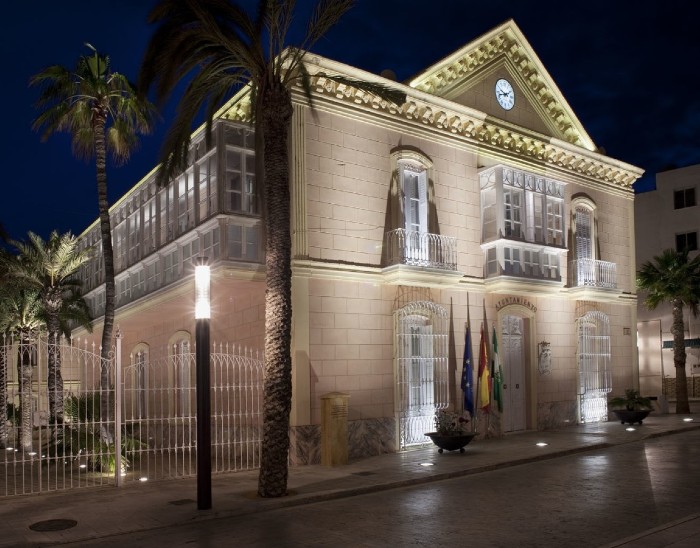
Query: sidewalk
{"points": [[107, 511]]}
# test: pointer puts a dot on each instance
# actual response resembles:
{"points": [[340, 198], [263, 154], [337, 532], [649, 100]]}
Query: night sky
{"points": [[627, 68]]}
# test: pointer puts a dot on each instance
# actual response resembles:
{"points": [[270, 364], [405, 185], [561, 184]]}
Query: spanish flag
{"points": [[484, 380]]}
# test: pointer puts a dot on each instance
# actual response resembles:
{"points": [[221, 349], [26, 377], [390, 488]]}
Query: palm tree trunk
{"points": [[54, 381], [108, 256], [277, 398], [678, 331], [25, 369], [3, 392]]}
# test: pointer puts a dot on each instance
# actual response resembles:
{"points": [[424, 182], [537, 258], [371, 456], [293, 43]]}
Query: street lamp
{"points": [[202, 315]]}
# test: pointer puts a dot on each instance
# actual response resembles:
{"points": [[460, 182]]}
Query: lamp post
{"points": [[202, 314]]}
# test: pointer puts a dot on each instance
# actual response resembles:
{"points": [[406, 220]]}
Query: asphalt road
{"points": [[587, 499]]}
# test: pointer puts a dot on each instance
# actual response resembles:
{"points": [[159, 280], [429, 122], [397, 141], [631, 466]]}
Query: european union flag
{"points": [[468, 374]]}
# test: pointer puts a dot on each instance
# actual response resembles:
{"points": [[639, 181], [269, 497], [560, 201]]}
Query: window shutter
{"points": [[423, 201], [584, 241]]}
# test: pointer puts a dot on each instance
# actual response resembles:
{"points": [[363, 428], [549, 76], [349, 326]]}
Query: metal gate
{"points": [[155, 402]]}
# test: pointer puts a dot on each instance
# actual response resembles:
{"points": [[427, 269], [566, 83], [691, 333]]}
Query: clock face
{"points": [[505, 94]]}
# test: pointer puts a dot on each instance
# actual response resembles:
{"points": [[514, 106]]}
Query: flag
{"points": [[468, 373], [484, 381], [497, 375]]}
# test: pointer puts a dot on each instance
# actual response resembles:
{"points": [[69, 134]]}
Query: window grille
{"points": [[594, 356], [421, 369]]}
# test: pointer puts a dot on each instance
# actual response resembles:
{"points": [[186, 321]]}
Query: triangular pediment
{"points": [[468, 77]]}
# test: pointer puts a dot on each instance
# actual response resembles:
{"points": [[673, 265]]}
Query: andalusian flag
{"points": [[497, 374], [468, 373], [484, 382]]}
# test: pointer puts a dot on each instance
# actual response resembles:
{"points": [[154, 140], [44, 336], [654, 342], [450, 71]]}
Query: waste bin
{"points": [[334, 429]]}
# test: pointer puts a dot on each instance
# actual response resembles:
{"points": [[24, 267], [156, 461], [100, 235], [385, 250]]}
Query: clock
{"points": [[505, 94]]}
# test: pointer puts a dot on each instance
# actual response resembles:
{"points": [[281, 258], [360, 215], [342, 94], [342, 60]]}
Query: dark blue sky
{"points": [[627, 68]]}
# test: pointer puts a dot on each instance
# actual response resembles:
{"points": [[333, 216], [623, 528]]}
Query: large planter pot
{"points": [[451, 442], [630, 417]]}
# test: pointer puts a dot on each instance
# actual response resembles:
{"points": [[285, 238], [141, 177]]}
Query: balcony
{"points": [[592, 273], [413, 248]]}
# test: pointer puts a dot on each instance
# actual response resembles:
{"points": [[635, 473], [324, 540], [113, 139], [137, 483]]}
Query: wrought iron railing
{"points": [[415, 248], [592, 273]]}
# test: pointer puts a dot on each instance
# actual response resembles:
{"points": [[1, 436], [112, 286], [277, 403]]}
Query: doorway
{"points": [[514, 362]]}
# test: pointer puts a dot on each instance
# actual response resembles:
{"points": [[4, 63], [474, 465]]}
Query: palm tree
{"points": [[103, 113], [673, 277], [223, 48], [3, 353], [50, 268], [20, 315]]}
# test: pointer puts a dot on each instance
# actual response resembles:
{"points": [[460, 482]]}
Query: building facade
{"points": [[667, 218], [480, 197]]}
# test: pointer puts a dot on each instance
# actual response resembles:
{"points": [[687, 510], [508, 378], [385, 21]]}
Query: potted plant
{"points": [[451, 432], [632, 408]]}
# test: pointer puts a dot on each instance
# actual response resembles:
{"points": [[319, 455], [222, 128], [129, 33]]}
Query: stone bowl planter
{"points": [[451, 442], [630, 417]]}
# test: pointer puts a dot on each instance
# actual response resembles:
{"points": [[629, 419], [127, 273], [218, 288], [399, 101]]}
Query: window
{"points": [[243, 242], [583, 226], [138, 283], [182, 370], [119, 234], [207, 186], [684, 198], [409, 241], [149, 226], [687, 242], [134, 237], [210, 244], [421, 368], [531, 207], [185, 201], [151, 276], [139, 381], [593, 355], [240, 181], [190, 250], [414, 181], [172, 266], [522, 223]]}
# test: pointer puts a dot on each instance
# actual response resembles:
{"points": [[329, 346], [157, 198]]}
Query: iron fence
{"points": [[47, 448]]}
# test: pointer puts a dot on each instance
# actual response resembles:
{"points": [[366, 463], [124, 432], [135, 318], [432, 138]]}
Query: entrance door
{"points": [[514, 400]]}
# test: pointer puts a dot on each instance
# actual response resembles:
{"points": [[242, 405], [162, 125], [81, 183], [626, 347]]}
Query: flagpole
{"points": [[471, 388]]}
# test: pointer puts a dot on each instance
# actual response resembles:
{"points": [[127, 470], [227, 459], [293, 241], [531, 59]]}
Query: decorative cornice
{"points": [[499, 138]]}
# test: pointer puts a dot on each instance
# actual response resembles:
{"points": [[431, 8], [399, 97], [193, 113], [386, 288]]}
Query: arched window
{"points": [[421, 369], [181, 376], [583, 211], [586, 268], [410, 207], [593, 356], [139, 380]]}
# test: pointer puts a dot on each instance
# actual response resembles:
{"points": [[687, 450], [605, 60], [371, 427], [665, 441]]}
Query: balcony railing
{"points": [[414, 248], [591, 273]]}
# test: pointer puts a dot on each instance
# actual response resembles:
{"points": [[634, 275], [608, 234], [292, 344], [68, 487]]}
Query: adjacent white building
{"points": [[667, 218]]}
